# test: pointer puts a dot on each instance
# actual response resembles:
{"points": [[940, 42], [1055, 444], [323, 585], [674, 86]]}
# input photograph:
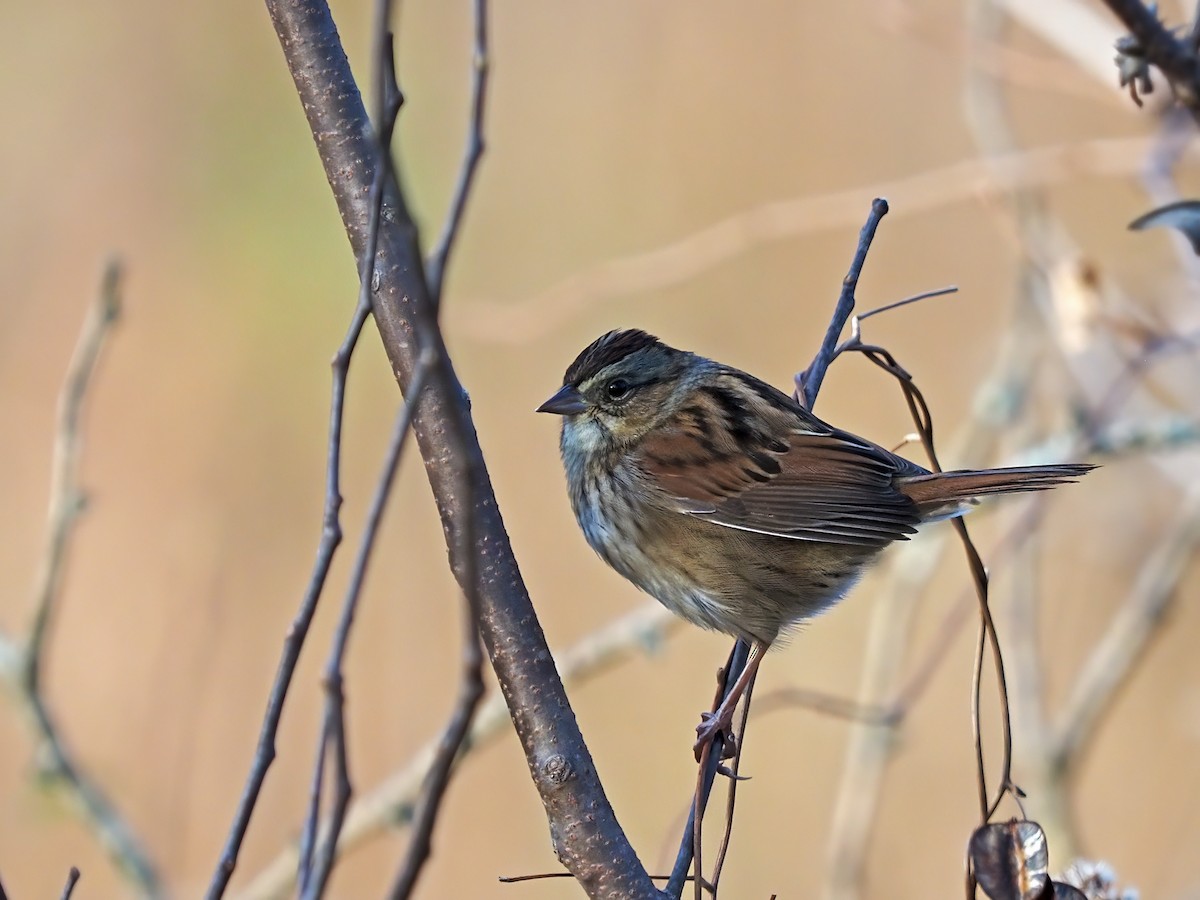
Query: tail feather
{"points": [[942, 495]]}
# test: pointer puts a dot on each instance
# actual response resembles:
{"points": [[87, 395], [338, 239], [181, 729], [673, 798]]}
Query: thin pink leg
{"points": [[718, 722]]}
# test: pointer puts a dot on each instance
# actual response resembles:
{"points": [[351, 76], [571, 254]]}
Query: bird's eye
{"points": [[617, 388]]}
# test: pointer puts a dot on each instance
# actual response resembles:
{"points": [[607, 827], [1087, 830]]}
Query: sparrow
{"points": [[729, 502]]}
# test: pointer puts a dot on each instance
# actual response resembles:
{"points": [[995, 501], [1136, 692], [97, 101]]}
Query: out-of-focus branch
{"points": [[22, 659], [66, 499], [968, 181], [1127, 637], [1176, 131], [1075, 28]]}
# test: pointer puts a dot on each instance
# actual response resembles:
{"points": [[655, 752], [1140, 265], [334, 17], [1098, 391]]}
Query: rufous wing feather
{"points": [[749, 458], [941, 495]]}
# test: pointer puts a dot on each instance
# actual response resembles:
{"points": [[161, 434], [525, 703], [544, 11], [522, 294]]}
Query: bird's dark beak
{"points": [[567, 402]]}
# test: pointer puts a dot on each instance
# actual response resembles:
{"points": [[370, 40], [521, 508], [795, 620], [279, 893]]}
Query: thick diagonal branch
{"points": [[584, 829]]}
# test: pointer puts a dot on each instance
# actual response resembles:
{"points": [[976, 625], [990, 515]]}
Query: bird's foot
{"points": [[711, 725]]}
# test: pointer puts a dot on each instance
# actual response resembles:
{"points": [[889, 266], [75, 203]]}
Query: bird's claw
{"points": [[711, 726], [723, 769]]}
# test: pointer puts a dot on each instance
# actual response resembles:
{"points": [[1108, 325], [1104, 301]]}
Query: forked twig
{"points": [[331, 534], [22, 660], [333, 732], [388, 102], [470, 690], [808, 382]]}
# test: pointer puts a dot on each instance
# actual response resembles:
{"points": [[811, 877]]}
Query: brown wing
{"points": [[746, 456]]}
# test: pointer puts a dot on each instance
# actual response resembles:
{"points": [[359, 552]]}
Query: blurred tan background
{"points": [[172, 136]]}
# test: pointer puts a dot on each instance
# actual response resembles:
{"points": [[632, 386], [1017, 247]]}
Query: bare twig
{"points": [[808, 382], [709, 762], [923, 421], [23, 659], [331, 538], [388, 101], [66, 500], [638, 633], [333, 732], [69, 887], [1176, 131], [449, 747], [731, 796], [435, 267], [470, 671]]}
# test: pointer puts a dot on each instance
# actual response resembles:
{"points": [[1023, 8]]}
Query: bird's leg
{"points": [[718, 721]]}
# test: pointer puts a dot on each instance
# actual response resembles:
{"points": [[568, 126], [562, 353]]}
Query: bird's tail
{"points": [[944, 495]]}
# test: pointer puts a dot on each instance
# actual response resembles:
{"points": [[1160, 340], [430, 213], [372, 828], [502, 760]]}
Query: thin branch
{"points": [[388, 101], [997, 402], [449, 747], [915, 298], [734, 778], [333, 732], [710, 761], [66, 500], [634, 635], [69, 887], [922, 419], [331, 529], [23, 660], [435, 267], [331, 538], [808, 382], [470, 691], [1176, 132]]}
